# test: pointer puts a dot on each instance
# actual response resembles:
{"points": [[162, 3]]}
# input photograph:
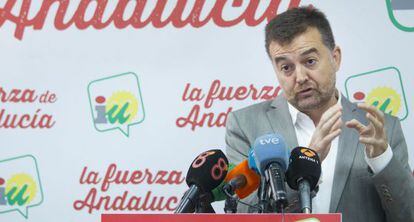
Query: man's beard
{"points": [[318, 99]]}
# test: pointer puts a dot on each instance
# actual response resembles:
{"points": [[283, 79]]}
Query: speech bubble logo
{"points": [[20, 186], [401, 13], [382, 88], [116, 102]]}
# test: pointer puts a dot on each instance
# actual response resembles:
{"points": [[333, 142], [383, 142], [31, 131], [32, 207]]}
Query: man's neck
{"points": [[316, 114]]}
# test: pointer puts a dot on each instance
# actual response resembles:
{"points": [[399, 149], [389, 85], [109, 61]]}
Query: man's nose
{"points": [[301, 75]]}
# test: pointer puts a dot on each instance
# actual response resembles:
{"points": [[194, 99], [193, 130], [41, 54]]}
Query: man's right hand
{"points": [[327, 129]]}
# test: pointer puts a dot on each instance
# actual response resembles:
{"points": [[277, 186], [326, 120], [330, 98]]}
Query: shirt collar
{"points": [[295, 113]]}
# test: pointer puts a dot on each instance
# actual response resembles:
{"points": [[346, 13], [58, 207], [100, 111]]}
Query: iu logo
{"points": [[382, 88], [20, 187], [116, 102]]}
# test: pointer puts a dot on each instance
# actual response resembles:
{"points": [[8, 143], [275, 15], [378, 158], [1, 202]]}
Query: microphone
{"points": [[206, 172], [270, 159], [217, 193], [242, 180], [264, 205], [303, 174]]}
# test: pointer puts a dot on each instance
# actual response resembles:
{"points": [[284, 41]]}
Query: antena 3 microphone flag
{"points": [[303, 174], [304, 163]]}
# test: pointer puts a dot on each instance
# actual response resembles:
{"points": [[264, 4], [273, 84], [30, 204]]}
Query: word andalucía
{"points": [[120, 18], [99, 197], [12, 119]]}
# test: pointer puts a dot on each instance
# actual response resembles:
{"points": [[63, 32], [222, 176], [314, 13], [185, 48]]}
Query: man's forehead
{"points": [[300, 44], [305, 50]]}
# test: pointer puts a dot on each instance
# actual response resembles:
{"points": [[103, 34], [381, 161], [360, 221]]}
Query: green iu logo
{"points": [[116, 102], [401, 13], [20, 186], [384, 90]]}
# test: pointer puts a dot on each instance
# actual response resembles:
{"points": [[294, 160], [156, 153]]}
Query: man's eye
{"points": [[285, 68], [311, 61]]}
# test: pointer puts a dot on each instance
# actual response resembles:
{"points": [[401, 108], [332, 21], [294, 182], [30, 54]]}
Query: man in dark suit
{"points": [[365, 171]]}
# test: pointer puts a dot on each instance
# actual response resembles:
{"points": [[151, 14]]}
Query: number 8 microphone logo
{"points": [[218, 169], [201, 159]]}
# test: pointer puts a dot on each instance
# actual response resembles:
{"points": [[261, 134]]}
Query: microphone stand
{"points": [[305, 196], [263, 195], [188, 201], [230, 205], [204, 204], [204, 208]]}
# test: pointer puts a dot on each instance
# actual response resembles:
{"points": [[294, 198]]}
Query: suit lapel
{"points": [[347, 146], [279, 117]]}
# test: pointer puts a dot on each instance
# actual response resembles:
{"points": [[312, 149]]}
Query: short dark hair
{"points": [[293, 22]]}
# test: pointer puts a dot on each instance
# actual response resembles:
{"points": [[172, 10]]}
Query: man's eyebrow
{"points": [[279, 59], [307, 52], [310, 51]]}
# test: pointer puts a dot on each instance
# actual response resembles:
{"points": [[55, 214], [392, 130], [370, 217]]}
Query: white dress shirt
{"points": [[304, 128]]}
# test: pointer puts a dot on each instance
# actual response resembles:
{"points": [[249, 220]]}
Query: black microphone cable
{"points": [[239, 201]]}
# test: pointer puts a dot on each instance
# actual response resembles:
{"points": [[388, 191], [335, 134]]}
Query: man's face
{"points": [[306, 70]]}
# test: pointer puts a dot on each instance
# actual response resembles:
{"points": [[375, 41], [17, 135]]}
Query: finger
{"points": [[374, 146], [327, 126], [331, 136], [368, 140], [324, 145], [330, 112], [337, 125], [373, 111], [356, 125], [378, 126], [322, 153]]}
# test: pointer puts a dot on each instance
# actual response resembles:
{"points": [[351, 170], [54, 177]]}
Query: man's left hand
{"points": [[373, 136]]}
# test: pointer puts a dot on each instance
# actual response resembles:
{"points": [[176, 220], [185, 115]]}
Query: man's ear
{"points": [[337, 56]]}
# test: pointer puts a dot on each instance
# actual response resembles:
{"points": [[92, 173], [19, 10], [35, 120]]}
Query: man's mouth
{"points": [[305, 92]]}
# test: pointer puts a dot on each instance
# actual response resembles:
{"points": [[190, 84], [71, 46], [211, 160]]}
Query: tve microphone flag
{"points": [[269, 158]]}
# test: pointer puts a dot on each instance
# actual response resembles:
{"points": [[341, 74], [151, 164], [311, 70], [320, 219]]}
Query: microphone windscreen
{"points": [[252, 179], [208, 170], [267, 149], [303, 163], [218, 194]]}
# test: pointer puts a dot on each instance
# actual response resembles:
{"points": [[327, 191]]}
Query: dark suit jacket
{"points": [[357, 193]]}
